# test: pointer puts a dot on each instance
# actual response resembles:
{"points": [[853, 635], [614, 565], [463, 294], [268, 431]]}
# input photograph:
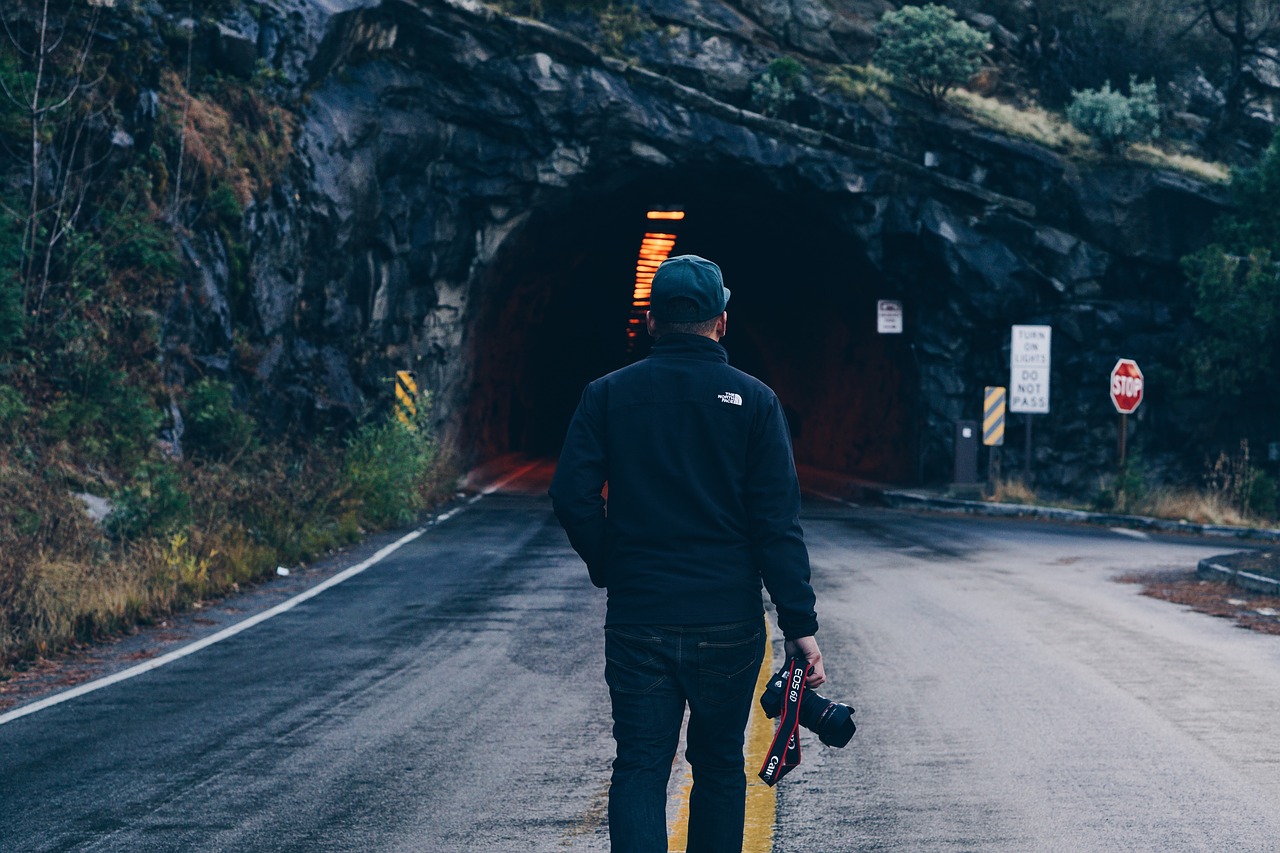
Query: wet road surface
{"points": [[1011, 697]]}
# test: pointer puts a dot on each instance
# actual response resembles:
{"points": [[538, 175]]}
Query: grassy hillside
{"points": [[120, 149]]}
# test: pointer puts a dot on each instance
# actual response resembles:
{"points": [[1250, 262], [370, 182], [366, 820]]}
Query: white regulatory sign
{"points": [[889, 317], [1029, 369]]}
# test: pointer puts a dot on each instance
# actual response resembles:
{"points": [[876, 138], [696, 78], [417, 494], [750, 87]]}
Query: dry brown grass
{"points": [[1030, 122], [1013, 491], [68, 600], [1196, 507], [856, 81], [63, 581], [1052, 130], [1188, 164], [1173, 504], [237, 138]]}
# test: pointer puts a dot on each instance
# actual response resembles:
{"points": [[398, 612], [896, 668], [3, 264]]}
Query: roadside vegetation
{"points": [[1171, 503], [1233, 359], [929, 51], [134, 479], [1234, 490]]}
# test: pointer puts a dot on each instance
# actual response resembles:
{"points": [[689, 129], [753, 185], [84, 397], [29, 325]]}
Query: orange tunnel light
{"points": [[655, 247]]}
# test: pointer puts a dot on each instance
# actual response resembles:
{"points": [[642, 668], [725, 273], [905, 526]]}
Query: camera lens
{"points": [[834, 725], [831, 721]]}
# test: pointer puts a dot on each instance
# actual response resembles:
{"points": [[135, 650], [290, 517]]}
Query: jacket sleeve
{"points": [[773, 511], [576, 487]]}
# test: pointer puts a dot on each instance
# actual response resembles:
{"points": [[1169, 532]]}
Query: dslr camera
{"points": [[831, 721]]}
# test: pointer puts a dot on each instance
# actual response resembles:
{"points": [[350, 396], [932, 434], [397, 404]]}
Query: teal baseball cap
{"points": [[688, 279]]}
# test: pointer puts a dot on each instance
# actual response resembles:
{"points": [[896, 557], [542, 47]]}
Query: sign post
{"points": [[1126, 395], [994, 399], [1029, 363]]}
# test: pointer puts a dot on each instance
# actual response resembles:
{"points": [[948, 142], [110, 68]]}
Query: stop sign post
{"points": [[1126, 394]]}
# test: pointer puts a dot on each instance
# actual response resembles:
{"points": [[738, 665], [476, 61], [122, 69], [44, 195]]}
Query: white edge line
{"points": [[507, 480], [282, 607], [225, 633]]}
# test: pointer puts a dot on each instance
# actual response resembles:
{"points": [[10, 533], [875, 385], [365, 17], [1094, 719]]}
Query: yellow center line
{"points": [[757, 836]]}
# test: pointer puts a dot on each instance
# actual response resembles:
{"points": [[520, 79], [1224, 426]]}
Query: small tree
{"points": [[776, 88], [928, 49], [48, 97], [1236, 291], [1115, 119], [1251, 27]]}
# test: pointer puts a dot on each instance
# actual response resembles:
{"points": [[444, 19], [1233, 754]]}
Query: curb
{"points": [[916, 500], [1211, 568]]}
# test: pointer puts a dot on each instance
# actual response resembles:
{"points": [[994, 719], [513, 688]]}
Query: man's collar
{"points": [[700, 347]]}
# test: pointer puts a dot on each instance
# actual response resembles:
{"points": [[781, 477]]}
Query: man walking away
{"points": [[703, 507]]}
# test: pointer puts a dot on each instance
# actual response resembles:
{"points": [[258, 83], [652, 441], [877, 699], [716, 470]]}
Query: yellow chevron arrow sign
{"points": [[406, 399], [993, 407]]}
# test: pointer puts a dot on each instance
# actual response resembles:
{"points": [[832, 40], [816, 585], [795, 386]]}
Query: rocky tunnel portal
{"points": [[557, 301]]}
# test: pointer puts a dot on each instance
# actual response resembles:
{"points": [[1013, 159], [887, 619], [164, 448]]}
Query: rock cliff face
{"points": [[470, 194]]}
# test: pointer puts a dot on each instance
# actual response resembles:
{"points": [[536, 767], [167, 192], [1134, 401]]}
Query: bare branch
{"points": [[186, 110], [13, 39], [1191, 26]]}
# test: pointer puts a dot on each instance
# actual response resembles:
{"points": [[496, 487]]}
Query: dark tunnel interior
{"points": [[802, 318]]}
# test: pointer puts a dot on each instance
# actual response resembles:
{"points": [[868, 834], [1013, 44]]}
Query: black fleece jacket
{"points": [[703, 502]]}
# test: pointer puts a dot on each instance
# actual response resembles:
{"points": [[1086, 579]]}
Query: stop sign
{"points": [[1126, 386]]}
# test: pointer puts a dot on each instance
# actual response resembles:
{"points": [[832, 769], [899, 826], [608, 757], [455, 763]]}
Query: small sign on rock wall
{"points": [[889, 317]]}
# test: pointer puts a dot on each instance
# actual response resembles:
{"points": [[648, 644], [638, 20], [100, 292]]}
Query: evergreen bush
{"points": [[153, 504], [386, 464], [928, 49], [213, 425], [1236, 291], [776, 88], [1115, 119]]}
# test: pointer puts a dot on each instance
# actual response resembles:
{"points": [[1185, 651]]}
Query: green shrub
{"points": [[778, 86], [1238, 301], [1261, 497], [928, 49], [13, 409], [1236, 288], [106, 416], [620, 24], [1239, 483], [1255, 221], [11, 314], [386, 465], [1115, 119], [132, 238], [770, 97], [214, 426], [154, 504], [1128, 490], [787, 71], [13, 78]]}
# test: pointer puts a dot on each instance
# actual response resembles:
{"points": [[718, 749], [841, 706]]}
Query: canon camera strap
{"points": [[784, 754]]}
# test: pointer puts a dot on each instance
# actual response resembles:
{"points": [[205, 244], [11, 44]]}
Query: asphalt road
{"points": [[1011, 697]]}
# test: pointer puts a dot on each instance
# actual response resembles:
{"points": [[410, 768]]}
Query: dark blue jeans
{"points": [[652, 671]]}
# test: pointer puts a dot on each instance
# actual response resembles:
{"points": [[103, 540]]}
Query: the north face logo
{"points": [[730, 397]]}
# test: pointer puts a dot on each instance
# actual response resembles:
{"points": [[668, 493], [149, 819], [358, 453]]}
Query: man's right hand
{"points": [[807, 647]]}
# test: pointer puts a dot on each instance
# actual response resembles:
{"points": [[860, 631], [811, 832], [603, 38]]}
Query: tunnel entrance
{"points": [[556, 305]]}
